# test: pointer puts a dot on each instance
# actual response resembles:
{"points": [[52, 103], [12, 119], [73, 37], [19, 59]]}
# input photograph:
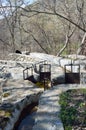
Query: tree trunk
{"points": [[66, 43], [81, 49]]}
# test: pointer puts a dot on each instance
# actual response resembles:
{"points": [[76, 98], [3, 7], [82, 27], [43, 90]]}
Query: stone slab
{"points": [[47, 117]]}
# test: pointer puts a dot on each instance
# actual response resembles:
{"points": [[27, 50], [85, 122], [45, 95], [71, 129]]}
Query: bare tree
{"points": [[67, 9], [10, 15], [82, 22], [70, 14]]}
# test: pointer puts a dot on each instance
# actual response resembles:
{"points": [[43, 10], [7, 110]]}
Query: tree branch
{"points": [[36, 40], [48, 13]]}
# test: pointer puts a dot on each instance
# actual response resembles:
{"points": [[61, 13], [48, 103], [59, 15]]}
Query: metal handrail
{"points": [[26, 76], [32, 67], [35, 66]]}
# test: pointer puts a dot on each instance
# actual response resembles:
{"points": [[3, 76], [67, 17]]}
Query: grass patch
{"points": [[73, 109]]}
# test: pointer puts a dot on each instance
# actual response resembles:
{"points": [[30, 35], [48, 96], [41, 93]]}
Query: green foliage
{"points": [[68, 127], [4, 113], [67, 113], [83, 91], [73, 108], [64, 99], [7, 114]]}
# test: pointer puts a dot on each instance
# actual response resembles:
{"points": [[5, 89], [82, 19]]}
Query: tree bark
{"points": [[66, 43], [81, 45]]}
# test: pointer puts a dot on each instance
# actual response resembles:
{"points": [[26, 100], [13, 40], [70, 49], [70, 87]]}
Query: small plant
{"points": [[64, 99], [68, 127], [6, 94], [7, 114], [39, 84]]}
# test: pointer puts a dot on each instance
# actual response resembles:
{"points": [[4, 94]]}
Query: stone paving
{"points": [[48, 110], [47, 116]]}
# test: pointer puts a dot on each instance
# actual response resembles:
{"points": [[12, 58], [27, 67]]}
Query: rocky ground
{"points": [[14, 89]]}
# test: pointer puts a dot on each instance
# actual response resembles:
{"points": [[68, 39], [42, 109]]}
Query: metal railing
{"points": [[43, 69], [27, 72]]}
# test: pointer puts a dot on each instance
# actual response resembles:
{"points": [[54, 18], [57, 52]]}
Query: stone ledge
{"points": [[22, 93], [18, 108]]}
